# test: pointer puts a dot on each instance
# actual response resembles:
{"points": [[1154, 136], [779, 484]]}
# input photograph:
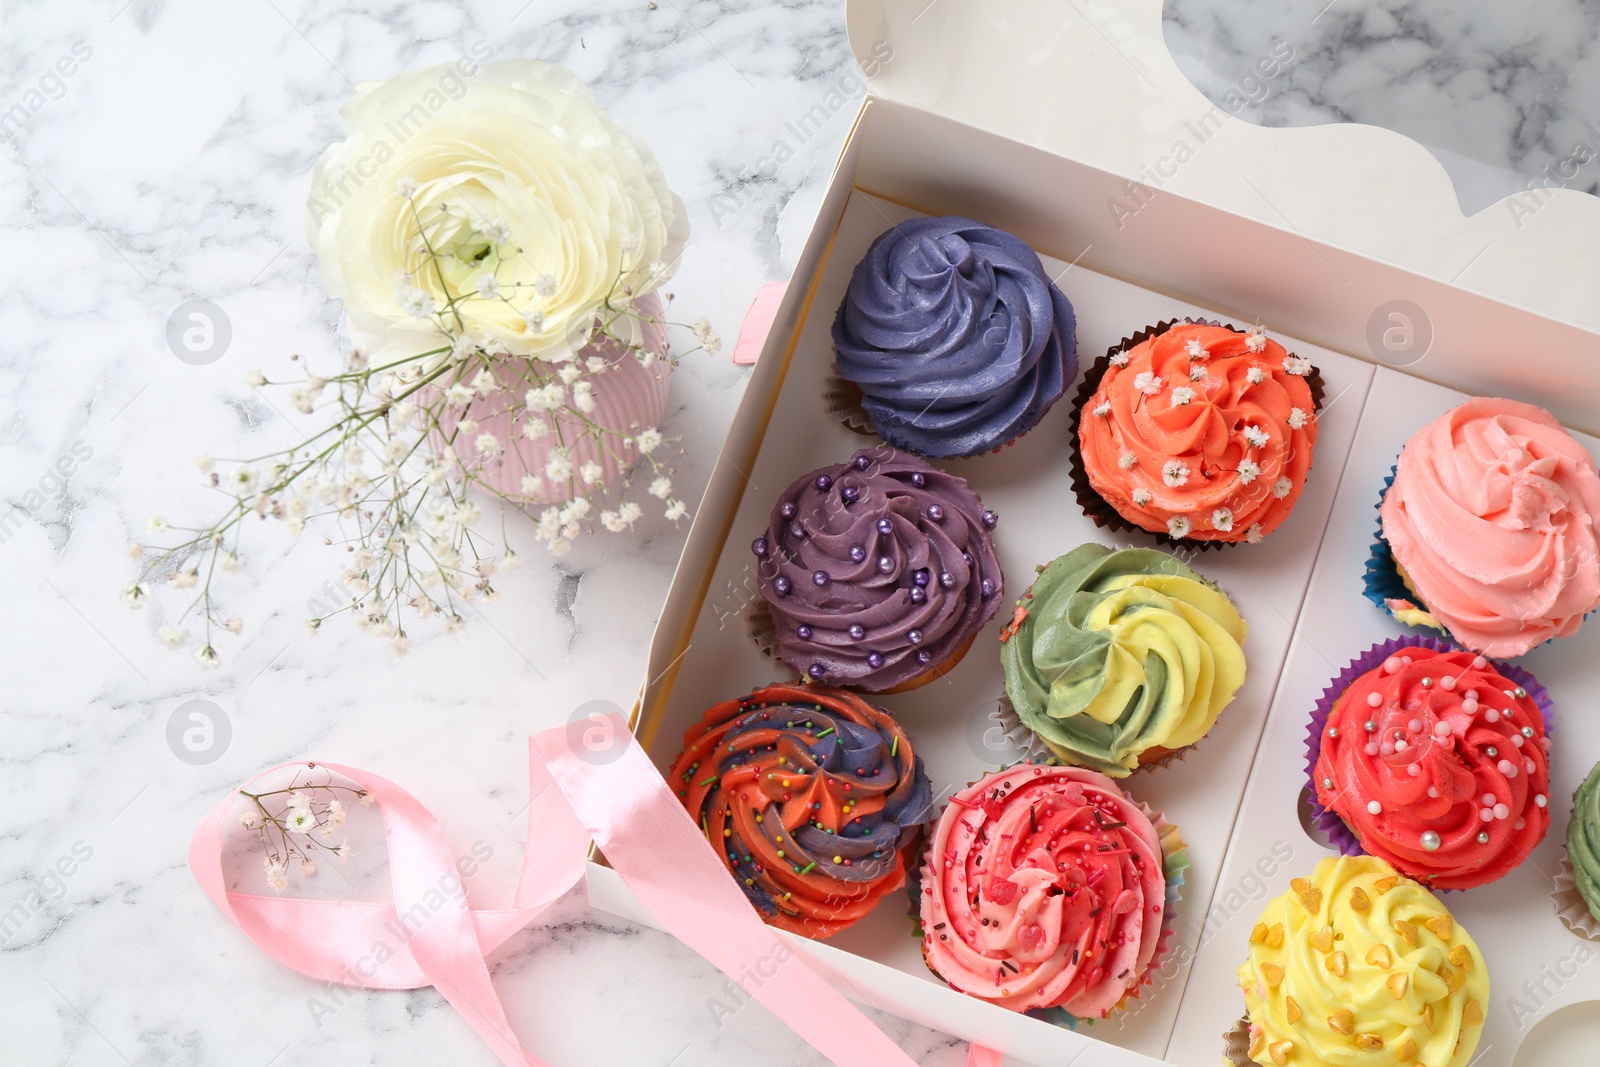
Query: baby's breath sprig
{"points": [[398, 464], [297, 823]]}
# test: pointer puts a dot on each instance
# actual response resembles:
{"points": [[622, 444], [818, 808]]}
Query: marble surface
{"points": [[1505, 93], [172, 164]]}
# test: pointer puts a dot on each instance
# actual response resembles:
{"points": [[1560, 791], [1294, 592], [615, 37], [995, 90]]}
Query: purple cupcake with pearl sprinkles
{"points": [[878, 572]]}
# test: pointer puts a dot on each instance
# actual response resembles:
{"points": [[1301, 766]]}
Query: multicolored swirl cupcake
{"points": [[1488, 530], [878, 572], [1120, 657], [813, 798], [1048, 890], [1359, 965], [1196, 432], [955, 336], [1435, 760]]}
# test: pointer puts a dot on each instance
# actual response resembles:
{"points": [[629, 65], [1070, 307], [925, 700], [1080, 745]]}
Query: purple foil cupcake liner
{"points": [[1339, 833], [1093, 504]]}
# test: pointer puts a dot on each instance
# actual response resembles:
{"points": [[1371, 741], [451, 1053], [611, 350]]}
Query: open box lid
{"points": [[1096, 83]]}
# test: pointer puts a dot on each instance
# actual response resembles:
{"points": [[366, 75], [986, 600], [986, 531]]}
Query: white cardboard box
{"points": [[1300, 590]]}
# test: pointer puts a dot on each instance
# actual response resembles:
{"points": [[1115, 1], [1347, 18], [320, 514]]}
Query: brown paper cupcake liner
{"points": [[1093, 504], [1571, 908], [1036, 751], [843, 400], [1236, 1044]]}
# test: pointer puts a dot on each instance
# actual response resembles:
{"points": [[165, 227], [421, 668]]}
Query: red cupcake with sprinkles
{"points": [[1435, 760]]}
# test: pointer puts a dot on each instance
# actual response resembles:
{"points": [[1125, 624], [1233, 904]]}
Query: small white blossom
{"points": [[1103, 409], [1195, 349], [1175, 473], [571, 373], [577, 509], [1147, 383], [1255, 375], [233, 624], [1256, 340], [1119, 358], [1254, 534], [300, 800], [1222, 519], [1281, 488], [400, 644], [630, 242], [545, 286], [459, 393], [311, 627], [629, 513], [531, 484], [255, 379], [416, 303], [533, 320], [661, 488], [1141, 497], [1127, 461], [405, 188], [1297, 365], [488, 286], [1249, 470], [173, 637], [612, 521], [583, 396], [1256, 436], [308, 866], [343, 851], [156, 524], [647, 441], [545, 398], [467, 513], [277, 878], [1198, 373], [204, 462], [497, 231], [676, 510], [558, 468], [248, 820], [488, 444], [1182, 395], [1297, 418], [300, 400], [463, 347], [591, 472], [185, 579], [207, 657], [1178, 526], [536, 427]]}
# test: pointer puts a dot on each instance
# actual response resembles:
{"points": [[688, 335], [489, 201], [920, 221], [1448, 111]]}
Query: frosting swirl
{"points": [[1359, 965], [813, 798], [955, 335], [877, 570], [1451, 784], [1491, 521], [1201, 432], [1115, 654], [1043, 887], [1583, 840]]}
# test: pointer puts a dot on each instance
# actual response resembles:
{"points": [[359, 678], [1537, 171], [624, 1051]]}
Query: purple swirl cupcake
{"points": [[878, 572], [956, 337]]}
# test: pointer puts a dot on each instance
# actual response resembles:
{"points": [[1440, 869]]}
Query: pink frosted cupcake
{"points": [[1048, 890]]}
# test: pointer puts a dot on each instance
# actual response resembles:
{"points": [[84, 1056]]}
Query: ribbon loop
{"points": [[429, 934]]}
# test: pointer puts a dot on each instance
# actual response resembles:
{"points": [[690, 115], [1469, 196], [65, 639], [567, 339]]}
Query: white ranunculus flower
{"points": [[514, 172]]}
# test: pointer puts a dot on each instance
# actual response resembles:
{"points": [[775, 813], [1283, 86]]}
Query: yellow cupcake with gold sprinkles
{"points": [[1359, 966]]}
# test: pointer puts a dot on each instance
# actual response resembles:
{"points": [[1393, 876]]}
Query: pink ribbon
{"points": [[428, 934]]}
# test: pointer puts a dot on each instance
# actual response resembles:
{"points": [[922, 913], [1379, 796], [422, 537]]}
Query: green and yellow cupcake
{"points": [[1118, 658]]}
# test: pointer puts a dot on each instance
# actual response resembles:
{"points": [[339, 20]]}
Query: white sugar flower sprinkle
{"points": [[1178, 526], [1175, 472], [1281, 488], [1195, 349], [1256, 436], [1182, 395], [1198, 373], [1127, 461], [1222, 519], [1249, 470], [1254, 534], [1256, 341], [1297, 418], [1147, 383], [1141, 497], [1255, 375], [1297, 365]]}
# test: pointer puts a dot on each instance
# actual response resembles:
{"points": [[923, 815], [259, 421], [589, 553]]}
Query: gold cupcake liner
{"points": [[1037, 751], [1571, 907], [1236, 1044], [842, 398]]}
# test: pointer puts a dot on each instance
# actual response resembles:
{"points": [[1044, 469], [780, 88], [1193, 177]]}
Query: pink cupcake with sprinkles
{"points": [[1049, 891]]}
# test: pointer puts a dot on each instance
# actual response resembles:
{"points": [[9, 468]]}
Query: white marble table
{"points": [[172, 164]]}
